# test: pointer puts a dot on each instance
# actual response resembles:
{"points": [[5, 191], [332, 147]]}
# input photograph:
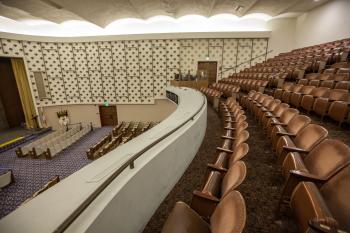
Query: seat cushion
{"points": [[183, 219]]}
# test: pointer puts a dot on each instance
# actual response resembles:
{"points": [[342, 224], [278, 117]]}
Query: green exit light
{"points": [[105, 103]]}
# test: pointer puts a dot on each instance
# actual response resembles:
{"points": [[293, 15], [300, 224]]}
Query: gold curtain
{"points": [[24, 91]]}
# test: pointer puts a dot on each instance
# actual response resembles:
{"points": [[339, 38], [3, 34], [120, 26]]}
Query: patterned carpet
{"points": [[32, 174]]}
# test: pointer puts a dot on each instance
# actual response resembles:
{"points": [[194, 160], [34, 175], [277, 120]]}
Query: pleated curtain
{"points": [[24, 92]]}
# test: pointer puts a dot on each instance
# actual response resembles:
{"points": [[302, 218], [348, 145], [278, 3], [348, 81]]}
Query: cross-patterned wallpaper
{"points": [[124, 71]]}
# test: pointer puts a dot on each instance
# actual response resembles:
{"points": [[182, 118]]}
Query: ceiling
{"points": [[104, 12]]}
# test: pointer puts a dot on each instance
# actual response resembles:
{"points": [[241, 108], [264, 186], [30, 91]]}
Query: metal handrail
{"points": [[251, 59], [130, 162]]}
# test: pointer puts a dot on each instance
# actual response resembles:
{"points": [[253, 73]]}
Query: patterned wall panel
{"points": [[123, 71]]}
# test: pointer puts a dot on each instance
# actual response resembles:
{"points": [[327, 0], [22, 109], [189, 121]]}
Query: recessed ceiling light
{"points": [[316, 0]]}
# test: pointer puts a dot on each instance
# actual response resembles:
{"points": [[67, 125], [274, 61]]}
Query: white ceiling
{"points": [[104, 12]]}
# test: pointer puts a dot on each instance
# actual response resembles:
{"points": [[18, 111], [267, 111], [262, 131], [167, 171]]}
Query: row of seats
{"points": [[227, 90], [218, 207], [52, 144], [295, 64], [246, 84], [122, 133], [211, 94], [321, 100], [316, 169]]}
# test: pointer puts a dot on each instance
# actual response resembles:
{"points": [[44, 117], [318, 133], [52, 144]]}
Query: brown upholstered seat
{"points": [[305, 140], [226, 159], [295, 97], [278, 92], [338, 110], [286, 116], [307, 101], [326, 159], [276, 113], [287, 94], [330, 201], [322, 104], [216, 187], [343, 85], [293, 127], [229, 216]]}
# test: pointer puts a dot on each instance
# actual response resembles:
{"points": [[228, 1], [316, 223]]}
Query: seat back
{"points": [[280, 109], [320, 91], [337, 94], [336, 194], [310, 136], [288, 114], [343, 85], [306, 90], [234, 177], [238, 153], [327, 157], [229, 215]]}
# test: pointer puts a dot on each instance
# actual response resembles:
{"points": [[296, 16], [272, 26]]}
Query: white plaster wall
{"points": [[87, 113], [282, 38], [328, 22]]}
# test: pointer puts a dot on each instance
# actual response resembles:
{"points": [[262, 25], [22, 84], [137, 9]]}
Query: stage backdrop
{"points": [[122, 71]]}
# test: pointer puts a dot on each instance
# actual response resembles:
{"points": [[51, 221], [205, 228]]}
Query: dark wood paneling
{"points": [[210, 67], [9, 94], [108, 115]]}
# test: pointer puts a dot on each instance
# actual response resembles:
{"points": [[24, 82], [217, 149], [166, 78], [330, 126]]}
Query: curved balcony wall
{"points": [[114, 194]]}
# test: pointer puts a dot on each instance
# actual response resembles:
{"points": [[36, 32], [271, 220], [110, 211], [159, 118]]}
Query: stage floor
{"points": [[11, 134]]}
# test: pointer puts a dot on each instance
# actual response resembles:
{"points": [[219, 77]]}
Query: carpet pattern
{"points": [[31, 174]]}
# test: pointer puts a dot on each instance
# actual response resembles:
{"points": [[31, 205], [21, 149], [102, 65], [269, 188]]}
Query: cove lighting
{"points": [[128, 26]]}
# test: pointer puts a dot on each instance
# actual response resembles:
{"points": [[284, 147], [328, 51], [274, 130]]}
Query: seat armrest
{"points": [[286, 134], [229, 128], [294, 149], [228, 137], [204, 204], [305, 176], [224, 150], [216, 168], [230, 121], [279, 123], [325, 225]]}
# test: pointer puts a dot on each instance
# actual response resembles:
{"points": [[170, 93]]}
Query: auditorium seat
{"points": [[304, 141], [322, 104], [276, 113], [216, 187], [296, 97], [323, 161], [307, 101], [286, 116], [225, 160], [339, 109], [229, 216], [327, 203], [342, 85]]}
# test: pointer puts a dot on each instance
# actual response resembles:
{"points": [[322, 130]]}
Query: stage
{"points": [[13, 137]]}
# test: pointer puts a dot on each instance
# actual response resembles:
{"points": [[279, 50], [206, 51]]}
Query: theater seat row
{"points": [[246, 84], [211, 94], [228, 90], [218, 207], [321, 100], [316, 169]]}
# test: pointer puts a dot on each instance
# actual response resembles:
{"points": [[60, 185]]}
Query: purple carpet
{"points": [[31, 174]]}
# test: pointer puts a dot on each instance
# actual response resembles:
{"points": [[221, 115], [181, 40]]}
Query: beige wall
{"points": [[282, 37], [326, 23], [86, 113]]}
